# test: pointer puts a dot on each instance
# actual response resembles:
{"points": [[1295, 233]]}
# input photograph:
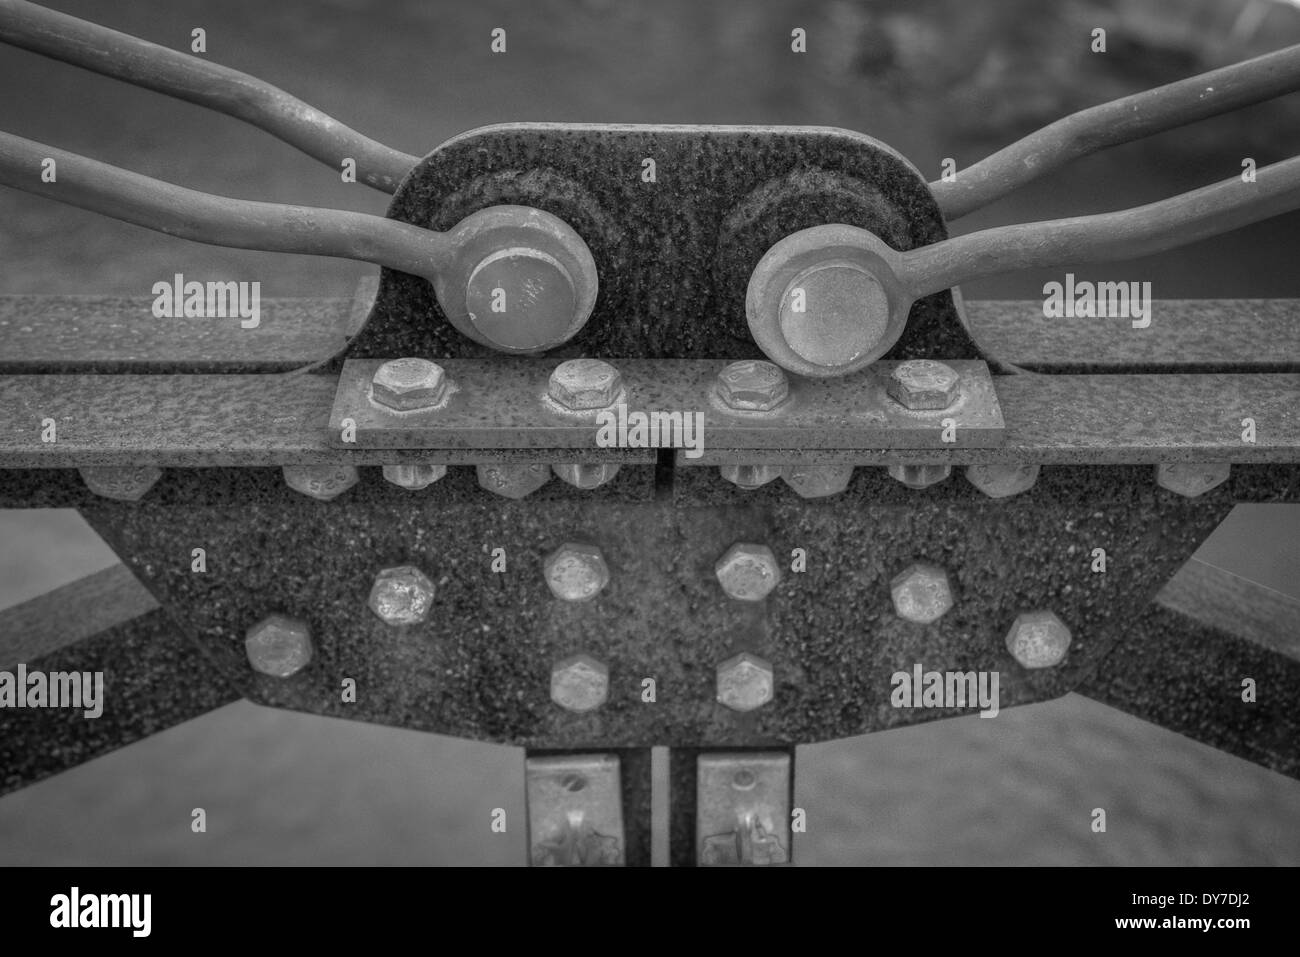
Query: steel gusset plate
{"points": [[480, 667], [674, 256]]}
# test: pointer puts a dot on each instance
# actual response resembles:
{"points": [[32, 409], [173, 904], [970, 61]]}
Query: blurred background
{"points": [[933, 79]]}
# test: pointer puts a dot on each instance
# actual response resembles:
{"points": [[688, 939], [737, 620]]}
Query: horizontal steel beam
{"points": [[1185, 335], [92, 334], [245, 420]]}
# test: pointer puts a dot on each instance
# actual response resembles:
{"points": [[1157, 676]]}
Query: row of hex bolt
{"points": [[584, 385], [519, 479], [403, 595]]}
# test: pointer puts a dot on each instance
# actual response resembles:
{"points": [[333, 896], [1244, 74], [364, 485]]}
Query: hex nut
{"points": [[401, 595], [750, 477], [576, 572], [414, 477], [513, 480], [279, 646], [1038, 639], [1002, 481], [817, 481], [923, 384], [127, 484], [921, 593], [322, 482], [752, 385], [408, 384], [920, 476], [1192, 478], [586, 475], [579, 683], [748, 572], [582, 384], [745, 682]]}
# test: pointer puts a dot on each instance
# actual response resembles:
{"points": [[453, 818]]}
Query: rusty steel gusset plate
{"points": [[675, 239], [503, 403], [662, 650]]}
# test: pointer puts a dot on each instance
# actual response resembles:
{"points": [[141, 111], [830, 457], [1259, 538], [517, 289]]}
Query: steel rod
{"points": [[124, 57], [1120, 121], [221, 220], [1105, 237]]}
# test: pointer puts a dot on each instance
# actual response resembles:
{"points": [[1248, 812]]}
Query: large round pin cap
{"points": [[822, 303], [521, 281]]}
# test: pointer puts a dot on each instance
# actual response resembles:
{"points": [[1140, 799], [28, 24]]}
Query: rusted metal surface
{"points": [[481, 664], [721, 197], [1120, 121], [172, 73]]}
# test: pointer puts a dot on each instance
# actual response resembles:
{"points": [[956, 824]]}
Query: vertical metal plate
{"points": [[742, 810], [575, 811]]}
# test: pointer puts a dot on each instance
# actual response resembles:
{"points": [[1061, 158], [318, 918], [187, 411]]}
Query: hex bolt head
{"points": [[1192, 478], [279, 646], [124, 484], [582, 384], [586, 474], [1002, 481], [513, 480], [1038, 639], [923, 384], [322, 482], [409, 384], [921, 593], [752, 385], [817, 481], [748, 572], [414, 477], [576, 572], [750, 477], [745, 682], [579, 683], [401, 595], [920, 476]]}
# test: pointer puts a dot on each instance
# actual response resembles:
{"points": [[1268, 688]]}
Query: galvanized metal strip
{"points": [[1185, 335], [504, 404], [246, 420], [71, 614], [575, 810], [742, 808]]}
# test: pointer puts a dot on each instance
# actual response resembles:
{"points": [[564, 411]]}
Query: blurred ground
{"points": [[933, 79]]}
